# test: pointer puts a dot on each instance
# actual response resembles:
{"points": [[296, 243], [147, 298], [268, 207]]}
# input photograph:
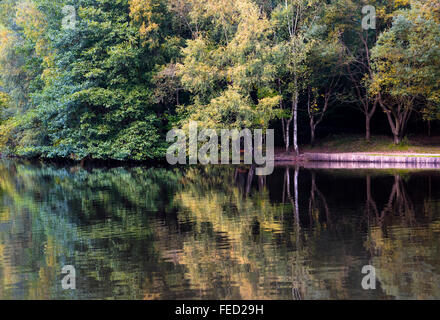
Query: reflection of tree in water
{"points": [[225, 256], [255, 248], [313, 203], [403, 249], [209, 232], [399, 204], [97, 220]]}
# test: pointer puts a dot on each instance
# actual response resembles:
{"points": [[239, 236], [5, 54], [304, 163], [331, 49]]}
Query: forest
{"points": [[107, 79]]}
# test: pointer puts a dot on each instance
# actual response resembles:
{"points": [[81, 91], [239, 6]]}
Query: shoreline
{"points": [[374, 158], [316, 159], [362, 160]]}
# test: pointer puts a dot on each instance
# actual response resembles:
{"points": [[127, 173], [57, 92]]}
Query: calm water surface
{"points": [[217, 233]]}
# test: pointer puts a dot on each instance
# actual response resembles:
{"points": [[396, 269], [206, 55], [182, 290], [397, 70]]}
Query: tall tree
{"points": [[406, 68], [292, 20], [325, 62], [346, 18], [228, 66]]}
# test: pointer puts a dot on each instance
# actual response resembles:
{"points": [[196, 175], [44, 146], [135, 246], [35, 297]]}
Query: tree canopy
{"points": [[111, 83]]}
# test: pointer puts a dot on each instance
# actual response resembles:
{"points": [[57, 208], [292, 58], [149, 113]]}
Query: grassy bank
{"points": [[379, 145]]}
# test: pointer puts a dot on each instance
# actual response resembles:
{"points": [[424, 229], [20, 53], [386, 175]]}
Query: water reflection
{"points": [[217, 232]]}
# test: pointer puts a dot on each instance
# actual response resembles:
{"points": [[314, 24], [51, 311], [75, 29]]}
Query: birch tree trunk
{"points": [[295, 125], [295, 97]]}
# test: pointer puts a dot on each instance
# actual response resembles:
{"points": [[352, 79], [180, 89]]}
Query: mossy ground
{"points": [[378, 145]]}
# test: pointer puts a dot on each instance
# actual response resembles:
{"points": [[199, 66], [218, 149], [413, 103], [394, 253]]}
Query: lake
{"points": [[217, 232]]}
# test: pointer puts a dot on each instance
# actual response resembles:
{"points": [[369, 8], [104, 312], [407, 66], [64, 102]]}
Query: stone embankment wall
{"points": [[347, 157], [361, 161]]}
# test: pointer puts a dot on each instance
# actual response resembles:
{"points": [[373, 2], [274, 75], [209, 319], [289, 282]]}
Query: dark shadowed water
{"points": [[217, 232]]}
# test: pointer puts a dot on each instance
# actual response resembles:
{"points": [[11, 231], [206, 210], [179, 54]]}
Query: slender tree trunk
{"points": [[368, 195], [368, 116], [312, 135], [295, 124], [312, 200], [395, 125], [287, 134], [293, 199], [367, 128], [311, 117], [284, 122], [285, 183], [388, 209], [397, 132], [371, 204], [250, 177], [296, 196]]}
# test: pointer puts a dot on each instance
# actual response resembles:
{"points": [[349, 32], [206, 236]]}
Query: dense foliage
{"points": [[106, 79]]}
